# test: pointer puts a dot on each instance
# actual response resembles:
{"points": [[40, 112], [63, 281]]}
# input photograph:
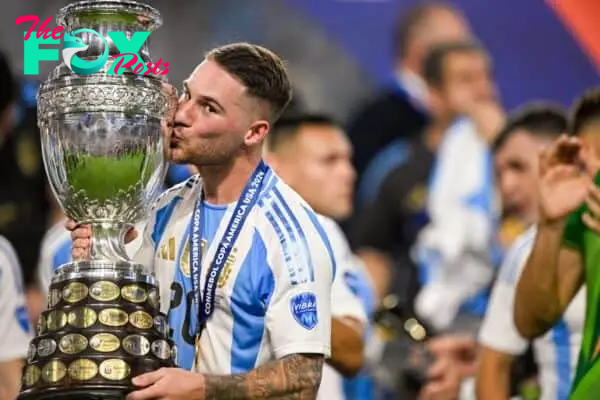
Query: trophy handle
{"points": [[108, 241]]}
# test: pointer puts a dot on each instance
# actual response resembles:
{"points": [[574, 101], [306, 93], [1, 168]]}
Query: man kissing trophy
{"points": [[104, 153]]}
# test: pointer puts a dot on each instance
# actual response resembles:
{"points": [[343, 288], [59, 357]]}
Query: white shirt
{"points": [[455, 245], [273, 297], [349, 299], [15, 333], [557, 351]]}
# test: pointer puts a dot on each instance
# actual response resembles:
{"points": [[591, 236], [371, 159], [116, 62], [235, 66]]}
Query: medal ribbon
{"points": [[206, 301]]}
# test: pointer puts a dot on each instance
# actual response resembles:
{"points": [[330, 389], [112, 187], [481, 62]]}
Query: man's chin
{"points": [[176, 156]]}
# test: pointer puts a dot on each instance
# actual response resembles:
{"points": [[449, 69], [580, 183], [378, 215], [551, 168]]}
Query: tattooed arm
{"points": [[296, 376]]}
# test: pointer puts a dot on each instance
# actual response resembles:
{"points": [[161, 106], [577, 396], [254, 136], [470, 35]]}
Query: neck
{"points": [[406, 66], [223, 184]]}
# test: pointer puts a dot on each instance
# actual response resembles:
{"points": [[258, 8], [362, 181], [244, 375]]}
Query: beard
{"points": [[206, 152]]}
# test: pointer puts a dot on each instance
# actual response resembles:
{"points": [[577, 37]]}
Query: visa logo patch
{"points": [[304, 309]]}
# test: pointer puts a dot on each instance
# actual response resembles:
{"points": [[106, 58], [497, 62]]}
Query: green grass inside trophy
{"points": [[102, 140]]}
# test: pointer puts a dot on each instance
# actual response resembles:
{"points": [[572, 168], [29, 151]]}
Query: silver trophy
{"points": [[103, 140]]}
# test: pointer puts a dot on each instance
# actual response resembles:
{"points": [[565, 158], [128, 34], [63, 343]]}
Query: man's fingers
{"points": [[592, 201], [71, 225], [131, 235], [79, 254], [82, 243], [591, 222], [82, 232], [149, 378], [150, 393]]}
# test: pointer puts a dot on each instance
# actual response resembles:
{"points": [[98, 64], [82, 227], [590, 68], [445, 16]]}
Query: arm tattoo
{"points": [[295, 377]]}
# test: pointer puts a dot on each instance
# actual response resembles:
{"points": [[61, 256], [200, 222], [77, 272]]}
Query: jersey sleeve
{"points": [[298, 318], [498, 330], [350, 292], [14, 319]]}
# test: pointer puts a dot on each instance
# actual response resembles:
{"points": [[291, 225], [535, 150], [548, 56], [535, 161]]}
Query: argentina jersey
{"points": [[353, 298], [273, 294], [14, 319], [556, 352]]}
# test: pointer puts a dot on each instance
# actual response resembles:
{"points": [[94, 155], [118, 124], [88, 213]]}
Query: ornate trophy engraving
{"points": [[104, 153]]}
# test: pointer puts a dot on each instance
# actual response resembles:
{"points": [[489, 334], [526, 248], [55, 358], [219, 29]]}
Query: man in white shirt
{"points": [[516, 154], [14, 320], [249, 264], [311, 153]]}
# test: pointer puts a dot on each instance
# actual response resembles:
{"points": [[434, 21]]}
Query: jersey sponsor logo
{"points": [[22, 318], [304, 309]]}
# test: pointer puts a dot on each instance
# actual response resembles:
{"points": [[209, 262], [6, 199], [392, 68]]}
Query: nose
{"points": [[509, 186], [182, 112]]}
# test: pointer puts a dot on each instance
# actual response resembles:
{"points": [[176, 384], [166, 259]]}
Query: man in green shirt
{"points": [[566, 252]]}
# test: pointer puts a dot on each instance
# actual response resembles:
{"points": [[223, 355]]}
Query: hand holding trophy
{"points": [[104, 153]]}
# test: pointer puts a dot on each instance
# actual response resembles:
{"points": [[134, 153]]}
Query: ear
{"points": [[257, 133]]}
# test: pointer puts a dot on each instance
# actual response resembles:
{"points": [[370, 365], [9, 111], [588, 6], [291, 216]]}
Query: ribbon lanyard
{"points": [[244, 205]]}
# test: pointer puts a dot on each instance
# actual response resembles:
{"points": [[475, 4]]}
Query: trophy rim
{"points": [[168, 91], [151, 14], [94, 269]]}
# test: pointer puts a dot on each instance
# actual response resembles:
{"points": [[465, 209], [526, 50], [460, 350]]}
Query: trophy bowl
{"points": [[103, 145]]}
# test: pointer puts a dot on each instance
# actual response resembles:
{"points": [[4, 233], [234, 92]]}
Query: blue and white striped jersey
{"points": [[14, 319], [557, 351], [352, 297], [273, 297]]}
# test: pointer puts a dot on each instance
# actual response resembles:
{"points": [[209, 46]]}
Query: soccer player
{"points": [[565, 251], [260, 325], [312, 154], [516, 155], [14, 320]]}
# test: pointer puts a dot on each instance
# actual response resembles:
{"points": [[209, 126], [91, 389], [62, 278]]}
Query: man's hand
{"points": [[567, 170], [591, 218], [82, 239], [455, 360], [169, 384], [443, 381], [489, 118]]}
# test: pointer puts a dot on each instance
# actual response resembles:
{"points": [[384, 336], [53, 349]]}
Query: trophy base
{"points": [[82, 393], [102, 327]]}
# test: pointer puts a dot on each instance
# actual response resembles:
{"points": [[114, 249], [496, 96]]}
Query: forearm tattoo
{"points": [[295, 377]]}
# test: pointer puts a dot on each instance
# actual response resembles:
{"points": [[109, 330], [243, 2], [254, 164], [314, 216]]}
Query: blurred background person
{"points": [[16, 329], [26, 205], [456, 250], [401, 110], [563, 255], [385, 233], [311, 153], [517, 149]]}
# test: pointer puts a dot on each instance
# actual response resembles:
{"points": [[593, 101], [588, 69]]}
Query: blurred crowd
{"points": [[431, 181]]}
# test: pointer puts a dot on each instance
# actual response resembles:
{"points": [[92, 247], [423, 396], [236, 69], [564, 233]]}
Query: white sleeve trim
{"points": [[303, 348]]}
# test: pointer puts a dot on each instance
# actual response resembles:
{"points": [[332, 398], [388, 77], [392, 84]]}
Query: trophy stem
{"points": [[108, 241]]}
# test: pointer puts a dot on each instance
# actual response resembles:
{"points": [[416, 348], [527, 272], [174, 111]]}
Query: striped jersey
{"points": [[273, 296], [352, 297], [556, 352], [14, 320]]}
